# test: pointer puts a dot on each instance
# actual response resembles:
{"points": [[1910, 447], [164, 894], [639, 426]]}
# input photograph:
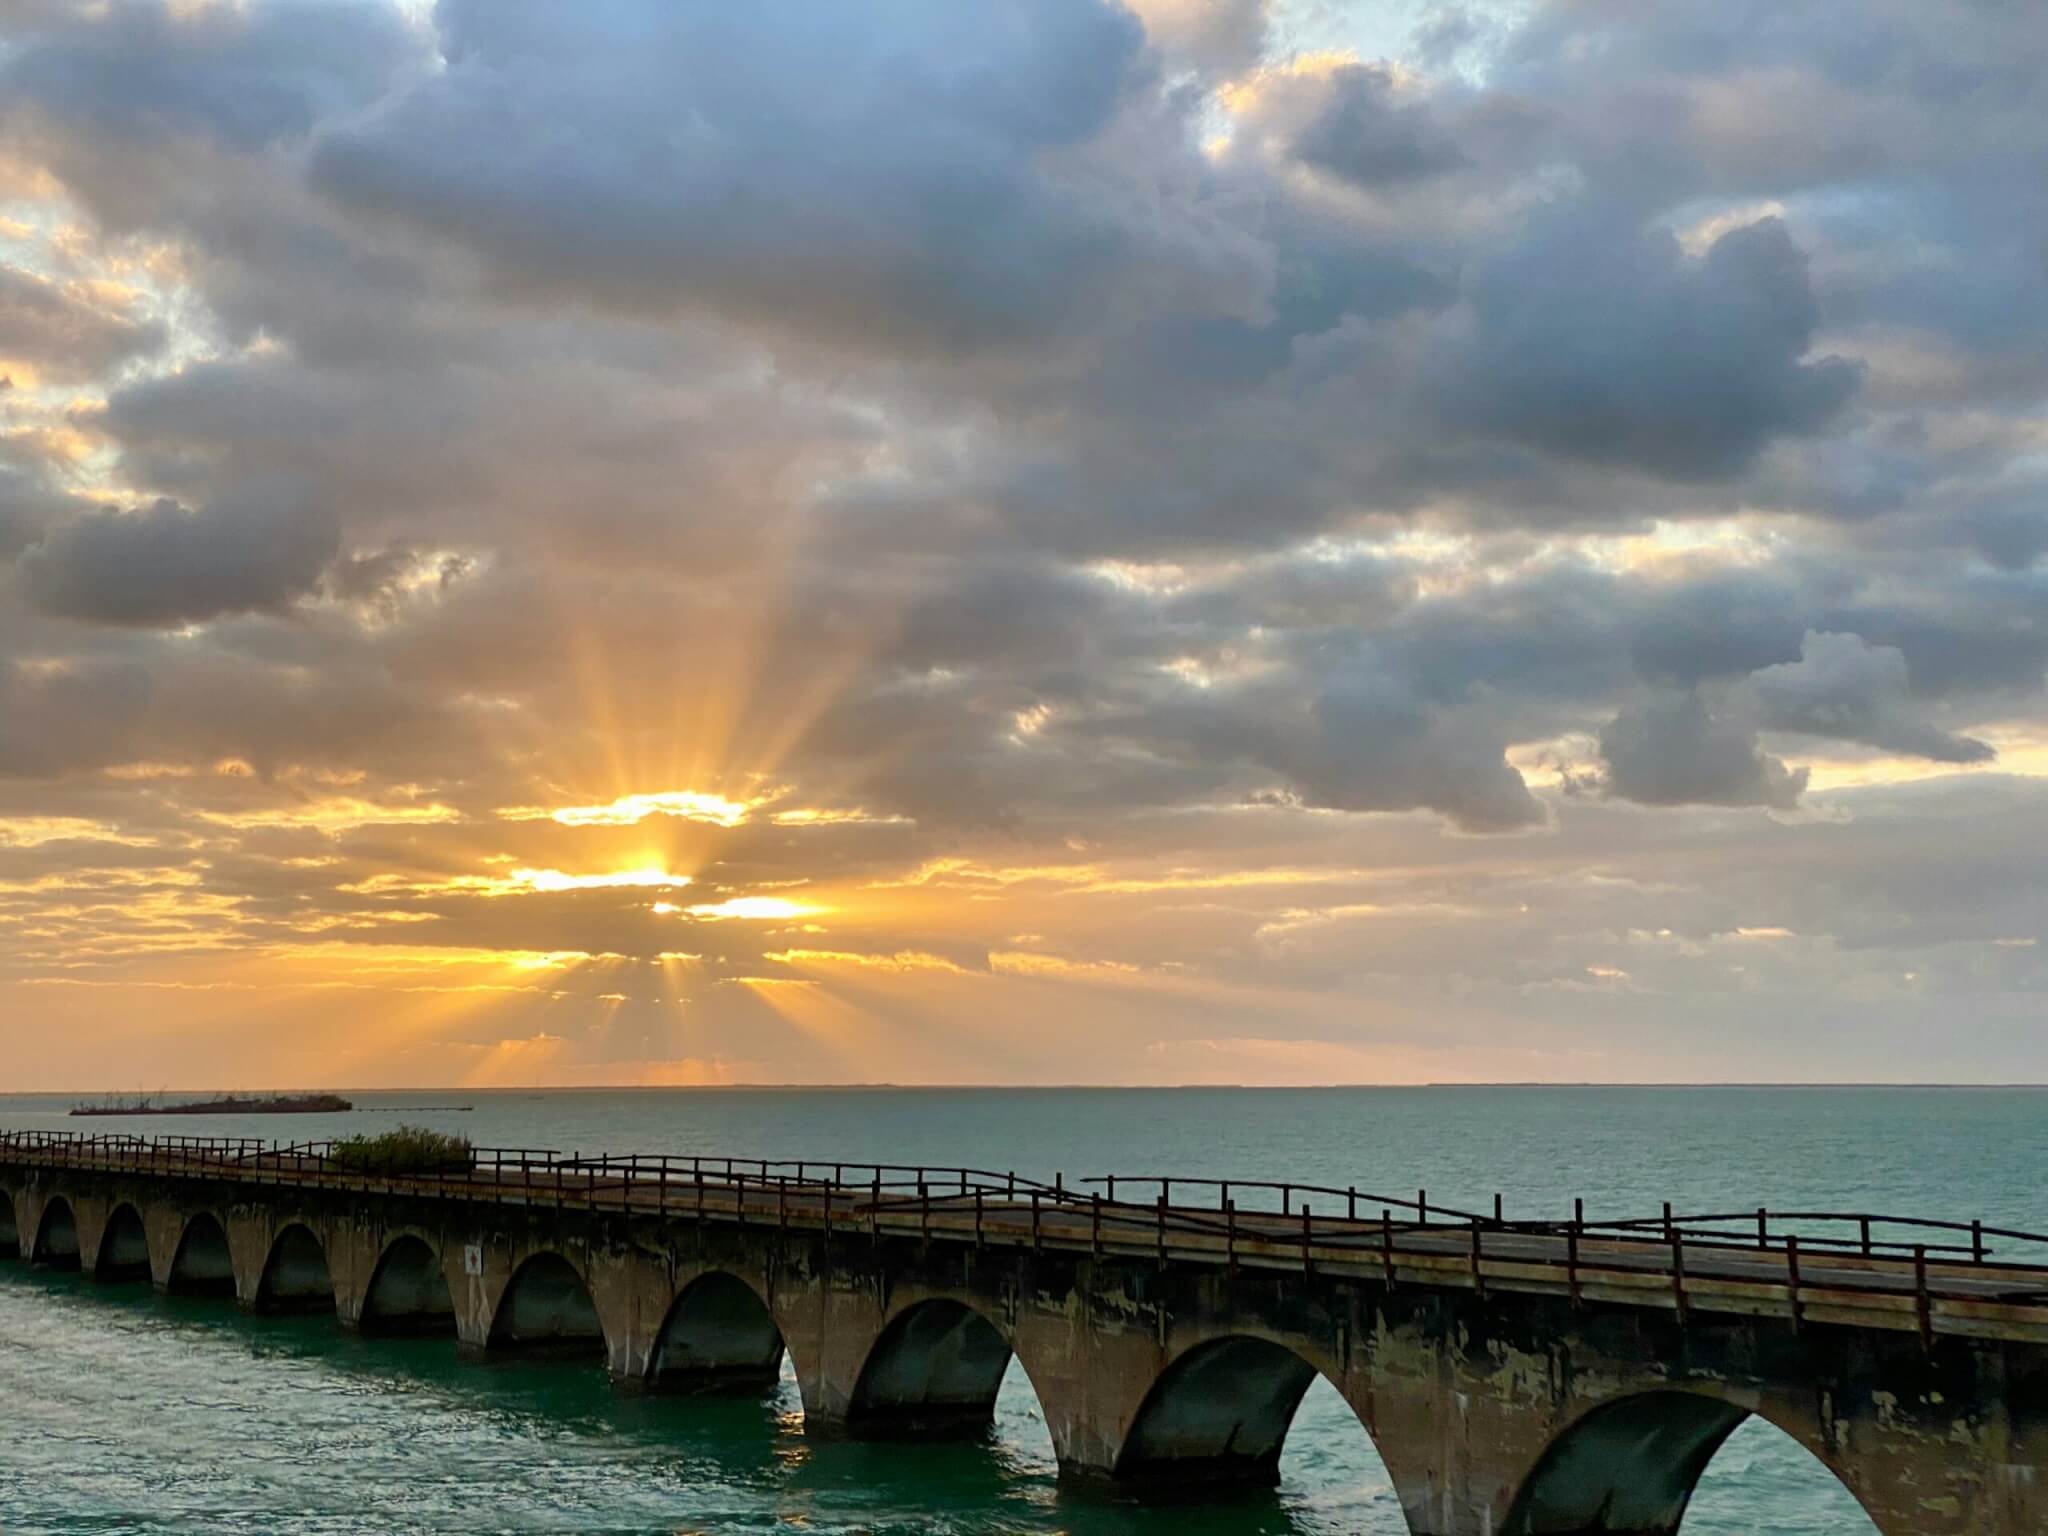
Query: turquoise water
{"points": [[124, 1411]]}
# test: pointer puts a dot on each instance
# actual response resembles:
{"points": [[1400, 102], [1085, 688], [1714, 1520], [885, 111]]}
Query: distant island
{"points": [[272, 1104]]}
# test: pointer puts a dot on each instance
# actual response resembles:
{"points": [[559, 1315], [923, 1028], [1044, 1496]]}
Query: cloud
{"points": [[56, 721], [1217, 498], [28, 505], [901, 179], [165, 565], [1362, 131], [243, 76], [1606, 342], [1217, 37], [68, 331], [1379, 748], [1845, 688], [1677, 749]]}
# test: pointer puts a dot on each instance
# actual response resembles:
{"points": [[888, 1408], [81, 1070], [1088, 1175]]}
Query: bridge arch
{"points": [[56, 1239], [932, 1374], [547, 1307], [408, 1291], [295, 1274], [124, 1246], [10, 1230], [202, 1265], [1219, 1416], [719, 1336], [1631, 1465]]}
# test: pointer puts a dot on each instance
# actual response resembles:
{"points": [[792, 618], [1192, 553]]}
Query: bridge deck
{"points": [[1931, 1288]]}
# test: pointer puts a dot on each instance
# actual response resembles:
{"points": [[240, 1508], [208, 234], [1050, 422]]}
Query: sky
{"points": [[1230, 541]]}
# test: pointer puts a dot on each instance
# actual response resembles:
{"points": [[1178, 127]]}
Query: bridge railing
{"points": [[221, 1147], [1288, 1198], [1848, 1232], [1759, 1228], [1114, 1207], [540, 1167], [840, 1173]]}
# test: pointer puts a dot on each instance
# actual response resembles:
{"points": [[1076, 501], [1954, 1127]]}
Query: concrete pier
{"points": [[1541, 1387]]}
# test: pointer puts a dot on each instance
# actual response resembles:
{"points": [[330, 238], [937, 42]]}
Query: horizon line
{"points": [[1073, 1087]]}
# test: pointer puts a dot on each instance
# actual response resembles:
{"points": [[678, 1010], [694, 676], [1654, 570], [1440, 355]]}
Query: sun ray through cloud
{"points": [[1257, 537]]}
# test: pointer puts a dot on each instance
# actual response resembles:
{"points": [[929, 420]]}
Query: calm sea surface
{"points": [[121, 1411]]}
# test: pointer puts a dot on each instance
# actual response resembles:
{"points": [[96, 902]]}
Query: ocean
{"points": [[123, 1411]]}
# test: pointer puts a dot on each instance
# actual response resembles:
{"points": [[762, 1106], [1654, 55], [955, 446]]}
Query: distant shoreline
{"points": [[227, 1104]]}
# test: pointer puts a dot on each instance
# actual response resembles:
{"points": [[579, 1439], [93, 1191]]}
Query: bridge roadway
{"points": [[1530, 1378]]}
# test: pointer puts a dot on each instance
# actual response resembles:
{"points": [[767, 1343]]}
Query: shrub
{"points": [[409, 1149]]}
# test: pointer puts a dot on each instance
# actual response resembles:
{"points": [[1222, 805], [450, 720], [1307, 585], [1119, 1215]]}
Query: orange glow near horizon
{"points": [[1393, 610], [655, 895]]}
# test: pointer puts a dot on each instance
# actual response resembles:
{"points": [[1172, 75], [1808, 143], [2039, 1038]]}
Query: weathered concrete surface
{"points": [[1498, 1413]]}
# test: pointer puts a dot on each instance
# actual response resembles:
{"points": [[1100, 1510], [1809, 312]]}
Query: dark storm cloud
{"points": [[165, 565]]}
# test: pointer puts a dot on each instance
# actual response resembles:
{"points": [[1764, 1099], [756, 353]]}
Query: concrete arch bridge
{"points": [[1517, 1378]]}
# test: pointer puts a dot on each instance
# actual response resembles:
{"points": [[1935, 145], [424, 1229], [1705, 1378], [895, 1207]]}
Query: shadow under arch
{"points": [[1632, 1466], [1218, 1418], [295, 1275], [547, 1309], [718, 1337], [56, 1240], [408, 1293], [203, 1265], [10, 1233], [124, 1247], [932, 1374]]}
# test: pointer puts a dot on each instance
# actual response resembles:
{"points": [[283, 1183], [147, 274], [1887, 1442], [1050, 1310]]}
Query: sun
{"points": [[757, 908]]}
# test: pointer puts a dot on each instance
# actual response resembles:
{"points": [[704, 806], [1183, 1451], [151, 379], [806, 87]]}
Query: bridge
{"points": [[1518, 1377]]}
